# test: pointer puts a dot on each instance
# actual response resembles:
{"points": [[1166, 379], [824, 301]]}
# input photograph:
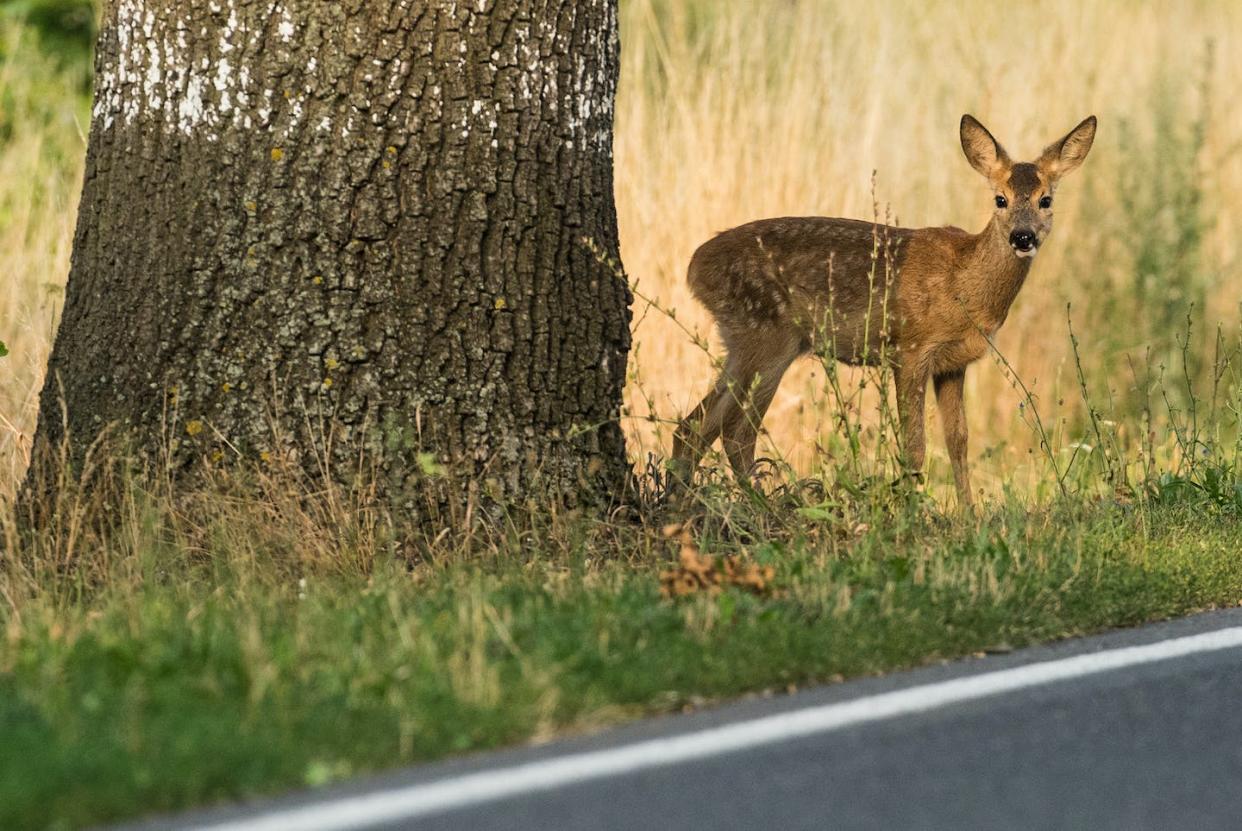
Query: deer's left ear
{"points": [[1065, 155]]}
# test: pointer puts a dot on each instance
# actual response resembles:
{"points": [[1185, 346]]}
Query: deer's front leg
{"points": [[911, 382], [953, 413]]}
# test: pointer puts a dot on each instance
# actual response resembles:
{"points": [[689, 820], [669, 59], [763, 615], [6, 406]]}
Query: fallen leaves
{"points": [[699, 572]]}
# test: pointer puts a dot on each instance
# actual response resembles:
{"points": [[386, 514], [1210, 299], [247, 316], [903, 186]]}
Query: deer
{"points": [[924, 302]]}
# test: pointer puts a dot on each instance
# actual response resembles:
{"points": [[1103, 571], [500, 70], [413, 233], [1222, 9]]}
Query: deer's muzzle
{"points": [[1023, 242]]}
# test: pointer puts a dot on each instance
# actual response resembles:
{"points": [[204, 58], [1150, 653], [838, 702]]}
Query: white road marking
{"points": [[412, 801]]}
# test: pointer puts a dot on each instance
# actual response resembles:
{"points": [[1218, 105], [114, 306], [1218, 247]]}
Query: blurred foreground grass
{"points": [[197, 647]]}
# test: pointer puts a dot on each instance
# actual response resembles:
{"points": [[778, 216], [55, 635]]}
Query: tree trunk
{"points": [[352, 230]]}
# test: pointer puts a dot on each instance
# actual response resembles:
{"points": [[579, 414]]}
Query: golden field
{"points": [[732, 110]]}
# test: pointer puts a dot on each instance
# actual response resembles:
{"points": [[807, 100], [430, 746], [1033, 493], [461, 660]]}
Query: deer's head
{"points": [[1023, 191]]}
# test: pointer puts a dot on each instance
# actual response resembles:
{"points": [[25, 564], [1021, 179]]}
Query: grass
{"points": [[43, 114], [194, 654], [163, 647], [732, 112]]}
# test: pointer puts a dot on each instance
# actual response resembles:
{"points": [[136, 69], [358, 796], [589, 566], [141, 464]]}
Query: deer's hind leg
{"points": [[696, 432], [755, 378], [733, 410]]}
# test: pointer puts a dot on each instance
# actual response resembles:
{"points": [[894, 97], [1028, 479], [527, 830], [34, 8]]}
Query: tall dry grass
{"points": [[42, 146], [735, 111], [731, 111]]}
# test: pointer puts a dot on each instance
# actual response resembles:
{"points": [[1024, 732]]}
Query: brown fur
{"points": [[923, 300]]}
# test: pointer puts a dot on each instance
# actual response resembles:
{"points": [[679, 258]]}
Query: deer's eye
{"points": [[1001, 202], [1045, 202]]}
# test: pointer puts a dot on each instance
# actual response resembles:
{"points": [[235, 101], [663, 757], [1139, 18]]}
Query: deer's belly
{"points": [[858, 343]]}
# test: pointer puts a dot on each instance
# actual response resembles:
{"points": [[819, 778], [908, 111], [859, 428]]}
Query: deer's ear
{"points": [[1065, 155], [982, 151]]}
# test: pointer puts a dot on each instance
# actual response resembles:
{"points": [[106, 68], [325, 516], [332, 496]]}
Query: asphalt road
{"points": [[1131, 730]]}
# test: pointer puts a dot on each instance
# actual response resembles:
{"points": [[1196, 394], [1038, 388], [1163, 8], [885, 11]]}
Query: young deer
{"points": [[924, 300]]}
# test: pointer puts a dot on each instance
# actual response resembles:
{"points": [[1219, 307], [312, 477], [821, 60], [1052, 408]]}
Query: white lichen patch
{"points": [[196, 71], [154, 72], [285, 27], [589, 101]]}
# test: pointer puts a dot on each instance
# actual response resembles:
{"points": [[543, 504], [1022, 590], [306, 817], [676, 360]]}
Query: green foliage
{"points": [[1215, 485], [1159, 232], [44, 107], [66, 28]]}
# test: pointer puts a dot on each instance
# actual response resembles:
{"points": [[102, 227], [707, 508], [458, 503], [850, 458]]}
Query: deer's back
{"points": [[815, 277]]}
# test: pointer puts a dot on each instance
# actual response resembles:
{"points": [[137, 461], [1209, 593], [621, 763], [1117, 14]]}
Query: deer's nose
{"points": [[1022, 240]]}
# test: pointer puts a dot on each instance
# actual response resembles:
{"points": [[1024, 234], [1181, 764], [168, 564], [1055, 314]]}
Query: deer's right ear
{"points": [[1065, 155], [982, 151]]}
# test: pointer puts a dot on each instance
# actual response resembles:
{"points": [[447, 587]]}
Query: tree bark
{"points": [[344, 231]]}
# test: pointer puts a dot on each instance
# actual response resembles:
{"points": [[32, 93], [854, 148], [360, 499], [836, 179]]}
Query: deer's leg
{"points": [[696, 432], [953, 414], [911, 382], [756, 382]]}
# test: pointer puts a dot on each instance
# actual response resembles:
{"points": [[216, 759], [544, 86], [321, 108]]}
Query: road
{"points": [[1130, 730]]}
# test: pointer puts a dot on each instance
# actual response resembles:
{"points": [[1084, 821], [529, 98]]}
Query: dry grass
{"points": [[739, 110], [735, 111], [40, 177]]}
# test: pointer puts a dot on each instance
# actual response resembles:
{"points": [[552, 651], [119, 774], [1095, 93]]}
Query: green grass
{"points": [[166, 664]]}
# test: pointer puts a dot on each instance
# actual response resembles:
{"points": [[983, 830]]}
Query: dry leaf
{"points": [[699, 572]]}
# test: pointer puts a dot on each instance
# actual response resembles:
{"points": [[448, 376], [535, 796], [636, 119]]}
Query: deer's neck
{"points": [[991, 277]]}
